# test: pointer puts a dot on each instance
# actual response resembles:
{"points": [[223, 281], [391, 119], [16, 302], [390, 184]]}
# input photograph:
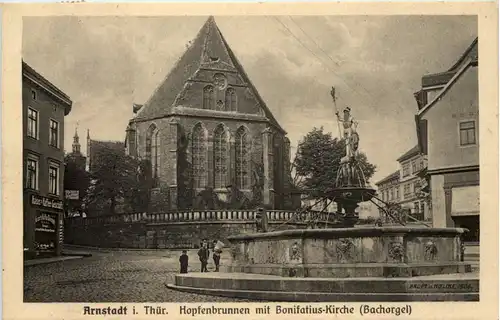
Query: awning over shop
{"points": [[465, 201]]}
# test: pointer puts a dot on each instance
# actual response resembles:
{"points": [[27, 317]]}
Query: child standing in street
{"points": [[216, 255], [184, 261]]}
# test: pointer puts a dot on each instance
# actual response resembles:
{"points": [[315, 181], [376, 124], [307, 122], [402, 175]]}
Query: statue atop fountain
{"points": [[350, 185]]}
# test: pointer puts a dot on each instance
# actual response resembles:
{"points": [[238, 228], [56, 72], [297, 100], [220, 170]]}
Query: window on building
{"points": [[54, 179], [155, 157], [422, 208], [199, 157], [32, 173], [416, 187], [33, 94], [221, 162], [414, 167], [406, 169], [467, 133], [153, 153], [230, 99], [208, 97], [392, 194], [397, 193], [420, 163], [32, 123], [242, 146], [407, 190], [54, 133]]}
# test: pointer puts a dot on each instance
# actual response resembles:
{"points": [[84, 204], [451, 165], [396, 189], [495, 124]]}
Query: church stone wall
{"points": [[174, 235]]}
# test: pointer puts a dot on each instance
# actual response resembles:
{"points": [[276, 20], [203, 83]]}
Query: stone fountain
{"points": [[347, 263]]}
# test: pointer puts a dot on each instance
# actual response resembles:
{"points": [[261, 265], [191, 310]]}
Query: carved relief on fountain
{"points": [[295, 252], [345, 250], [430, 251], [396, 251]]}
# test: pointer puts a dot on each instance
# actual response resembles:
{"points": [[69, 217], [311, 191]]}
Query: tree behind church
{"points": [[317, 162], [116, 181]]}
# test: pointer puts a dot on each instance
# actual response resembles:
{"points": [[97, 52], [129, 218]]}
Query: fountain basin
{"points": [[349, 252]]}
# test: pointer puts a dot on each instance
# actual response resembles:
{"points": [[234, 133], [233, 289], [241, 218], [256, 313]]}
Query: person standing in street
{"points": [[204, 254], [216, 255], [184, 261]]}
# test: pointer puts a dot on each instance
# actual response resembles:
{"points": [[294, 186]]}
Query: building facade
{"points": [[206, 130], [404, 186], [447, 129], [44, 109]]}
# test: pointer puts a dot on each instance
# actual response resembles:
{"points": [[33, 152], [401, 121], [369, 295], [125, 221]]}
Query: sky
{"points": [[105, 64]]}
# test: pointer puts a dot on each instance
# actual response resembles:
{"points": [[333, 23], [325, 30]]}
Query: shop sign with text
{"points": [[72, 194], [46, 202], [45, 222]]}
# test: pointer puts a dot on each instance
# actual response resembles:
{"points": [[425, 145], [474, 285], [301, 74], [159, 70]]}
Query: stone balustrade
{"points": [[280, 216]]}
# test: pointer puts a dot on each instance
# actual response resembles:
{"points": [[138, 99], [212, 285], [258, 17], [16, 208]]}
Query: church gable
{"points": [[208, 76], [219, 91], [215, 54]]}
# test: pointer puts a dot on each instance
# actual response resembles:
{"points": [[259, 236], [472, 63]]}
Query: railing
{"points": [[197, 216]]}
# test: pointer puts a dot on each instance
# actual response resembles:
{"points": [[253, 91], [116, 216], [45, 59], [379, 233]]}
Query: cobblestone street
{"points": [[127, 276]]}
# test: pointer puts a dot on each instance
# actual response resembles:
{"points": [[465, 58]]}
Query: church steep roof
{"points": [[209, 49], [96, 147]]}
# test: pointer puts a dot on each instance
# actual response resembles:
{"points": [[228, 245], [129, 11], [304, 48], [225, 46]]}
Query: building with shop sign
{"points": [[44, 109]]}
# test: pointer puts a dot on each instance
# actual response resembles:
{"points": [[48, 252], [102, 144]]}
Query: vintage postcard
{"points": [[250, 160]]}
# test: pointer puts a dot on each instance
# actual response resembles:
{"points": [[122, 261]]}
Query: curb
{"points": [[122, 249], [77, 254], [35, 262], [326, 297]]}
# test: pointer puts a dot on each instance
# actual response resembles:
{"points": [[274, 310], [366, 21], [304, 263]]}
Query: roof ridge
{"points": [[464, 55], [170, 72], [387, 177], [445, 89], [239, 68]]}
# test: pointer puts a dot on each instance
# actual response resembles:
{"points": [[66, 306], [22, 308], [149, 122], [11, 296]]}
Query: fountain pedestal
{"points": [[349, 252]]}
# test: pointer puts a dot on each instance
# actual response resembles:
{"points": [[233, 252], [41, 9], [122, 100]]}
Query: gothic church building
{"points": [[206, 129]]}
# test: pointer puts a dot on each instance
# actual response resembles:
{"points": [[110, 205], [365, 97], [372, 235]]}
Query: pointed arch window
{"points": [[231, 100], [242, 146], [208, 97], [199, 157], [153, 153], [221, 157]]}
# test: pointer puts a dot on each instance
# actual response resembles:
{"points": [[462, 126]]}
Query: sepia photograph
{"points": [[258, 158]]}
